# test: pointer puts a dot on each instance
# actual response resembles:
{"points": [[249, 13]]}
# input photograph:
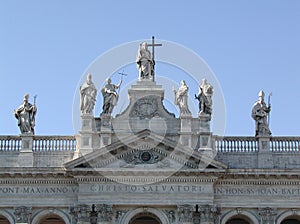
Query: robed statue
{"points": [[145, 63], [260, 113], [26, 116], [204, 97], [181, 98], [110, 96], [88, 93]]}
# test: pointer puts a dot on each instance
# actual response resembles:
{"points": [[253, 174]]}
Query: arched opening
{"points": [[52, 219], [240, 219], [291, 220], [145, 218], [4, 220]]}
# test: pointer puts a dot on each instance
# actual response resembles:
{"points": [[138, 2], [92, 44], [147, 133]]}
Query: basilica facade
{"points": [[147, 166]]}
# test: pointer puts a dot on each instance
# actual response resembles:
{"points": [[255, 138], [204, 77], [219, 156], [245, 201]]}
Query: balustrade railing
{"points": [[285, 144], [10, 143], [39, 143], [54, 143], [222, 144], [236, 144]]}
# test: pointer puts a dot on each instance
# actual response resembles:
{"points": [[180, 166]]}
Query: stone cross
{"points": [[153, 44]]}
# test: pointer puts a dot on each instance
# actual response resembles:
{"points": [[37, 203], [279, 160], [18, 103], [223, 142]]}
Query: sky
{"points": [[47, 46]]}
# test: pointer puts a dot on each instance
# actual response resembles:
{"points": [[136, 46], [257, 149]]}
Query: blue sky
{"points": [[45, 47]]}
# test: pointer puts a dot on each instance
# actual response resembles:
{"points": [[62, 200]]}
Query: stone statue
{"points": [[260, 112], [144, 62], [88, 93], [26, 116], [110, 96], [205, 98], [181, 98]]}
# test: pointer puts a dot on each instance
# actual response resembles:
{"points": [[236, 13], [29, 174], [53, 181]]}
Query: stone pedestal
{"points": [[204, 122], [26, 155], [205, 145], [205, 136], [105, 130], [265, 157], [88, 136], [186, 130], [87, 123]]}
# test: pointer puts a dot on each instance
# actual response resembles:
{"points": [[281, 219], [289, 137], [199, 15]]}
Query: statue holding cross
{"points": [[145, 61]]}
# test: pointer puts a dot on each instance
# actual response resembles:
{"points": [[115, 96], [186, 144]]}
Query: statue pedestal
{"points": [[205, 140], [205, 137], [88, 123], [186, 130], [87, 135], [265, 157], [26, 155], [204, 122], [105, 129]]}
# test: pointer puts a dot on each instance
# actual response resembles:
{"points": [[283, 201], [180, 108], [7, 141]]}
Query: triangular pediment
{"points": [[145, 150]]}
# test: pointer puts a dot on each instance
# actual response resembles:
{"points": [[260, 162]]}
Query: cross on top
{"points": [[145, 60], [153, 44]]}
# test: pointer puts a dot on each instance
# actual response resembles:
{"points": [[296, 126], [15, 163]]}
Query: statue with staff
{"points": [[25, 115], [145, 61], [261, 115], [110, 96]]}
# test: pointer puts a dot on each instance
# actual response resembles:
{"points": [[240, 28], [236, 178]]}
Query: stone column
{"points": [[265, 157], [186, 130], [26, 155], [185, 214], [106, 130], [23, 215], [267, 215], [208, 214], [87, 134], [105, 214]]}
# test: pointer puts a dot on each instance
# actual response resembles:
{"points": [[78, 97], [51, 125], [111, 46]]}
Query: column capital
{"points": [[185, 213], [23, 214]]}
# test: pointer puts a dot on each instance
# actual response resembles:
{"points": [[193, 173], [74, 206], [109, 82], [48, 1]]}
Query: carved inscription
{"points": [[280, 191], [46, 190], [107, 188]]}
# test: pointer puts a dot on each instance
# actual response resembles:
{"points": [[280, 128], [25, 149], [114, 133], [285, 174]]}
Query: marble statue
{"points": [[204, 97], [110, 96], [260, 113], [144, 62], [26, 116], [181, 98], [88, 93]]}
